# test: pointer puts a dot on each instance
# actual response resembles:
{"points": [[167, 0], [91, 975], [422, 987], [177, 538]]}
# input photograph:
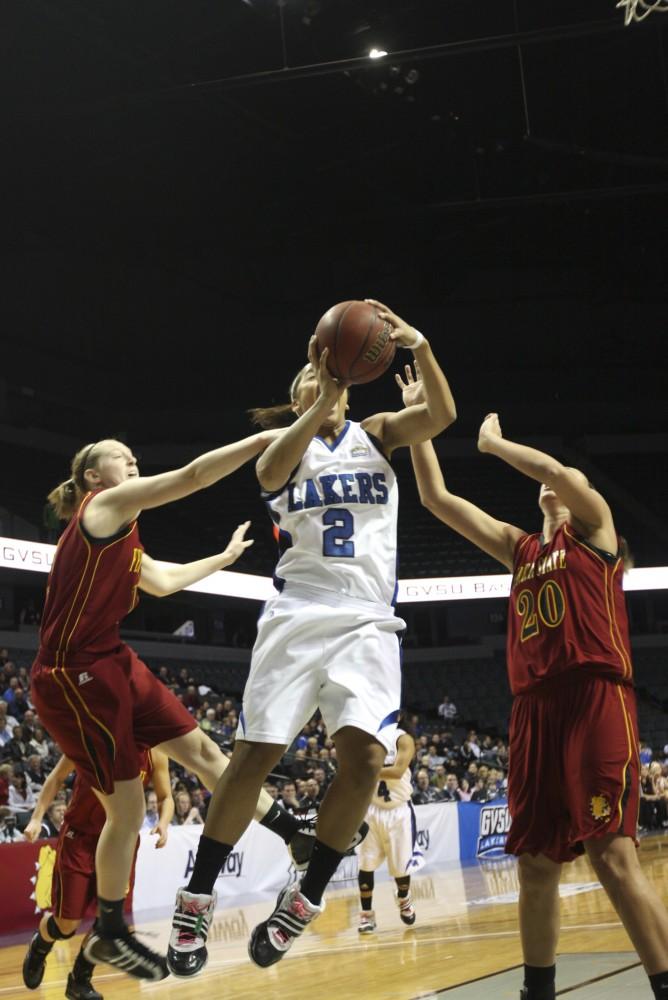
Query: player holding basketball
{"points": [[74, 888], [329, 639], [392, 834], [98, 700], [574, 713]]}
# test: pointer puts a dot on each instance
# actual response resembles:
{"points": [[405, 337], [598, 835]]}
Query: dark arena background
{"points": [[187, 187]]}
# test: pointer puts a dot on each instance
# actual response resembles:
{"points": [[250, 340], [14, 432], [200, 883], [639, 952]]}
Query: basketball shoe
{"points": [[301, 845], [126, 953], [406, 909], [81, 988], [271, 939], [34, 963], [547, 994], [187, 954], [367, 922]]}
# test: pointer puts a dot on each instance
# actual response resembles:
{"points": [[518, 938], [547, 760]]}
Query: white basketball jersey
{"points": [[391, 792], [337, 519]]}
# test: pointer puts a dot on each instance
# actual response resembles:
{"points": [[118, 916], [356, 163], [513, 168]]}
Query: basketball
{"points": [[359, 342]]}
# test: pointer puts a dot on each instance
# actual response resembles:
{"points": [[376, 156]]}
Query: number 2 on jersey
{"points": [[550, 604], [336, 539]]}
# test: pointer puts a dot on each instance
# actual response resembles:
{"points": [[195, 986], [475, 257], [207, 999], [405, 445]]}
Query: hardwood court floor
{"points": [[466, 928]]}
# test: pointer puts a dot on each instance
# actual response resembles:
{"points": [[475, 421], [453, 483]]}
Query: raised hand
{"points": [[489, 429], [329, 386], [412, 390], [237, 543], [404, 334]]}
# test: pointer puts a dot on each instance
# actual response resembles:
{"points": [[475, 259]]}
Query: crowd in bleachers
{"points": [[452, 762]]}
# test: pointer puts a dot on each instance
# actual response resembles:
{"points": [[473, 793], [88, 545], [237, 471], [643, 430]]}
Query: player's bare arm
{"points": [[405, 754], [161, 579], [436, 409], [587, 507], [287, 450], [115, 507], [497, 538], [47, 795], [163, 791]]}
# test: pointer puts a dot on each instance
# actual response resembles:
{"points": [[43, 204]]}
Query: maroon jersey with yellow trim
{"points": [[85, 813], [567, 612], [92, 587]]}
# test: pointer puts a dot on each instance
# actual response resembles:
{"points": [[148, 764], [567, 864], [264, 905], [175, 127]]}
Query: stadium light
{"points": [[377, 53]]}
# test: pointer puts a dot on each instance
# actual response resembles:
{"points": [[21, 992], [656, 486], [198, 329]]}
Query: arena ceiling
{"points": [[189, 185]]}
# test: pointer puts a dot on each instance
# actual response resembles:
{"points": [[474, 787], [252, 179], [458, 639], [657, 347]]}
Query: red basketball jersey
{"points": [[92, 587], [566, 612], [85, 813]]}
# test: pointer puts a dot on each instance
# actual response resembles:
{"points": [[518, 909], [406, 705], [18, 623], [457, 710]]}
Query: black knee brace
{"points": [[54, 930]]}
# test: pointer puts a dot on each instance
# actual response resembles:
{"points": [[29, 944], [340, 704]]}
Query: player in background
{"points": [[392, 834], [574, 710], [98, 700], [328, 639], [73, 888]]}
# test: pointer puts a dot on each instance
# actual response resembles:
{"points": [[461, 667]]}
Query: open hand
{"points": [[412, 390], [329, 386], [489, 429], [237, 544]]}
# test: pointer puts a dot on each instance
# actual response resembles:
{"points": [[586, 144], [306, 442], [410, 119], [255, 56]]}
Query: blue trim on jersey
{"points": [[337, 441], [389, 719], [377, 445], [267, 496], [413, 825], [242, 721]]}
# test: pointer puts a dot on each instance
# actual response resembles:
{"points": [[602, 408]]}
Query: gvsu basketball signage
{"points": [[483, 829], [493, 827]]}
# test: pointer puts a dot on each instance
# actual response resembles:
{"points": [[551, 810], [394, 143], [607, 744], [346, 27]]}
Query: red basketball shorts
{"points": [[103, 712], [74, 887], [574, 766]]}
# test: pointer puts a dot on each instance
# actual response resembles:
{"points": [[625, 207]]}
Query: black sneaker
{"points": [[271, 939], [81, 989], [301, 845], [187, 954], [126, 953], [34, 963]]}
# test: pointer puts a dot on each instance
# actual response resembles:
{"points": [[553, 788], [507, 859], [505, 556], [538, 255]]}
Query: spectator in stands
{"points": [[433, 758], [312, 796], [646, 753], [451, 792], [9, 831], [439, 778], [200, 802], [39, 744], [209, 721], [18, 747], [191, 698], [21, 796], [472, 773], [288, 796], [424, 792], [299, 766], [152, 814], [321, 779], [53, 820], [468, 752], [447, 710], [10, 693], [464, 790], [7, 724], [271, 789], [36, 772], [185, 813], [21, 704], [6, 771]]}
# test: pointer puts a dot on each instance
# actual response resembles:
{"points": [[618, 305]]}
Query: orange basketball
{"points": [[359, 342]]}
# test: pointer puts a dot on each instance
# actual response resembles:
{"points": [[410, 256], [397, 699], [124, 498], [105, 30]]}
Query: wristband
{"points": [[419, 340]]}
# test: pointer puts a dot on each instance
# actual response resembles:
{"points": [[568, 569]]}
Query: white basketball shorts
{"points": [[393, 836], [315, 651]]}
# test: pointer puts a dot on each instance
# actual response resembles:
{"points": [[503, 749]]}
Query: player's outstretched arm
{"points": [[161, 579], [436, 409], [287, 450], [115, 507], [405, 754], [163, 791], [48, 792], [586, 505]]}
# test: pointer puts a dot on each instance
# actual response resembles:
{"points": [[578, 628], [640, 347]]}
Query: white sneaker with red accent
{"points": [[187, 954], [271, 939], [406, 909], [367, 922]]}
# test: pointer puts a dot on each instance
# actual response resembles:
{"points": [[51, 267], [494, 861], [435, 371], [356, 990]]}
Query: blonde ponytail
{"points": [[66, 498]]}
